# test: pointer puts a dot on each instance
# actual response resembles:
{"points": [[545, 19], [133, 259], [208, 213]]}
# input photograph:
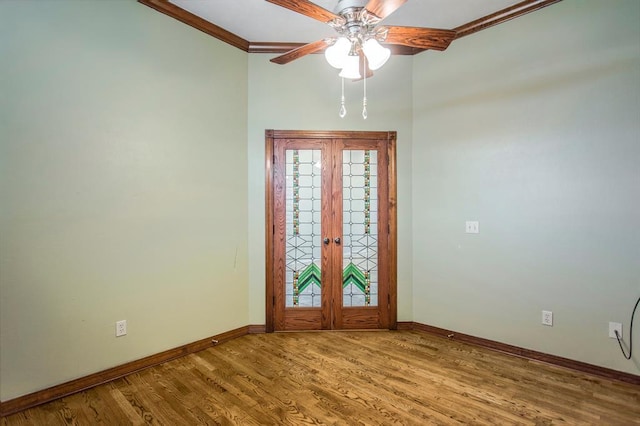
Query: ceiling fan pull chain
{"points": [[364, 99], [343, 109]]}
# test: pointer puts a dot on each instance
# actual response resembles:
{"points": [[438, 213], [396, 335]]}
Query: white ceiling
{"points": [[261, 21]]}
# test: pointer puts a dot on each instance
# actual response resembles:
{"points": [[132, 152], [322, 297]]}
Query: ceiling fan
{"points": [[356, 50], [359, 35]]}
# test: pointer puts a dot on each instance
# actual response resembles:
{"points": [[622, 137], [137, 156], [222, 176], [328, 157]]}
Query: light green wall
{"points": [[305, 95], [123, 176], [533, 128]]}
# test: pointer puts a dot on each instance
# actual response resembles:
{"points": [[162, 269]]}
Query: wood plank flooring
{"points": [[346, 378]]}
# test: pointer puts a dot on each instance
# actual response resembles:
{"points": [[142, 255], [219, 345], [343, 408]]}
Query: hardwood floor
{"points": [[346, 378]]}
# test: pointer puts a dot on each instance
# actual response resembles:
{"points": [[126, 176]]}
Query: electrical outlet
{"points": [[472, 227], [547, 318], [613, 327], [121, 328]]}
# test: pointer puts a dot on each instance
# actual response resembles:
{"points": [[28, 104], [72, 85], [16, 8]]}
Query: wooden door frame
{"points": [[270, 136]]}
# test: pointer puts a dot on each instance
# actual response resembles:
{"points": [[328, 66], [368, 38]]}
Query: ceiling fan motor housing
{"points": [[349, 4], [356, 23]]}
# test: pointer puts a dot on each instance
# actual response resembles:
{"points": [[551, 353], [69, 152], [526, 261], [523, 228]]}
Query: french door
{"points": [[331, 224]]}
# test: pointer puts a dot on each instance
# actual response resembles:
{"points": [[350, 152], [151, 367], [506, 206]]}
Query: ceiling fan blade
{"points": [[299, 52], [307, 8], [383, 8], [422, 38]]}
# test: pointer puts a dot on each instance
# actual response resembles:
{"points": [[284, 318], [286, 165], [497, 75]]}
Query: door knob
{"points": [[326, 241], [337, 240]]}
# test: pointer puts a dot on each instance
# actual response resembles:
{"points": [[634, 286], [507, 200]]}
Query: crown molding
{"points": [[169, 9], [501, 16], [277, 47]]}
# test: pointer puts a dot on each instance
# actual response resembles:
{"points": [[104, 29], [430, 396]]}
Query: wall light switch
{"points": [[472, 227]]}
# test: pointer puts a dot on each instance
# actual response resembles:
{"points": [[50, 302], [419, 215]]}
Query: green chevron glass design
{"points": [[311, 275], [354, 276]]}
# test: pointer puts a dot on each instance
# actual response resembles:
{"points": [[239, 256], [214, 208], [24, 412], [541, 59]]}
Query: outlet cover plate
{"points": [[121, 328], [613, 326], [547, 318]]}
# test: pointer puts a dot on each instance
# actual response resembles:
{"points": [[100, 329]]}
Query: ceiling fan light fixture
{"points": [[376, 55], [351, 68], [336, 54]]}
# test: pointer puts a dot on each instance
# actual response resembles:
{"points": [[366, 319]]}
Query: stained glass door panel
{"points": [[303, 276], [360, 228]]}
